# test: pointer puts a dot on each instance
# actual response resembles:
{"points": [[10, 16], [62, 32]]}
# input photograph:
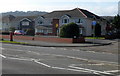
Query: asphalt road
{"points": [[20, 59]]}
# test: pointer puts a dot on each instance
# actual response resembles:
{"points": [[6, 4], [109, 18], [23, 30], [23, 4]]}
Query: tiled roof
{"points": [[75, 13], [18, 18], [59, 14], [8, 18], [89, 14]]}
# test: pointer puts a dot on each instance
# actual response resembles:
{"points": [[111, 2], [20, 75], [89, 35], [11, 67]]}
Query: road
{"points": [[21, 59]]}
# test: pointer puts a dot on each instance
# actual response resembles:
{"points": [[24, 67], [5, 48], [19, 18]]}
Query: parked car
{"points": [[19, 32]]}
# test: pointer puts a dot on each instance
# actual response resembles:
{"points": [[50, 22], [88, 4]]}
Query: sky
{"points": [[99, 7]]}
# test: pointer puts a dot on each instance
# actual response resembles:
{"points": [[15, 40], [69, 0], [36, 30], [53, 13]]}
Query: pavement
{"points": [[88, 43]]}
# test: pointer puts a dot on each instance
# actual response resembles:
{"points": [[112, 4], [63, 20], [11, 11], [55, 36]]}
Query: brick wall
{"points": [[46, 39]]}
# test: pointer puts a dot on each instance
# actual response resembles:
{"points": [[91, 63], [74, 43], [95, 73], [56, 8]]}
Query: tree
{"points": [[12, 29], [116, 22], [70, 30]]}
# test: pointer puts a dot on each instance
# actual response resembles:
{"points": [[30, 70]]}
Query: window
{"points": [[49, 30], [25, 23], [78, 21], [41, 30], [65, 21], [40, 22]]}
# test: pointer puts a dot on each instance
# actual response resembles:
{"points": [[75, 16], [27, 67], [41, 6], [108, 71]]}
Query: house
{"points": [[43, 26], [50, 23], [18, 22], [26, 23], [6, 22]]}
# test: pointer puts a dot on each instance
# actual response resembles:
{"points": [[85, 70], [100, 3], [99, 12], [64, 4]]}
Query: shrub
{"points": [[12, 29], [30, 32], [70, 30]]}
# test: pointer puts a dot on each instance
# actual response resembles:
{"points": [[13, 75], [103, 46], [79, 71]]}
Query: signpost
{"points": [[57, 28], [93, 25]]}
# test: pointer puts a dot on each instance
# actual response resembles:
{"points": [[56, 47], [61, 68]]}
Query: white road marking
{"points": [[96, 64], [19, 59], [112, 71], [75, 68], [52, 47], [34, 60], [90, 70], [66, 56], [42, 63], [63, 49], [69, 57], [69, 69], [75, 50], [2, 56], [92, 60]]}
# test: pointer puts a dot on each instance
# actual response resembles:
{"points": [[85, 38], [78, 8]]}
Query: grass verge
{"points": [[13, 42]]}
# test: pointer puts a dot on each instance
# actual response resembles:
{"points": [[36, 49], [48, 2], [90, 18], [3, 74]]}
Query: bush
{"points": [[70, 30], [30, 32], [12, 29], [5, 33]]}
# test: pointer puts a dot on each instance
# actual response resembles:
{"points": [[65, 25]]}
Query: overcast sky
{"points": [[99, 7]]}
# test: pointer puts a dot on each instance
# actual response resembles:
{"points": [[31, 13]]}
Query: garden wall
{"points": [[46, 39]]}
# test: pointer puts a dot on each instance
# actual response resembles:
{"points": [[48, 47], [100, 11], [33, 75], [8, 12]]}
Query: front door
{"points": [[98, 30]]}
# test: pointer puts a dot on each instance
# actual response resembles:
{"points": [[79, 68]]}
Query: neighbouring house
{"points": [[19, 22], [43, 26], [26, 23], [50, 23], [6, 22]]}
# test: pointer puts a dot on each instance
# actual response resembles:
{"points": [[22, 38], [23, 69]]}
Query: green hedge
{"points": [[70, 30]]}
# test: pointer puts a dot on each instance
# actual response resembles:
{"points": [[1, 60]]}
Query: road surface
{"points": [[21, 59]]}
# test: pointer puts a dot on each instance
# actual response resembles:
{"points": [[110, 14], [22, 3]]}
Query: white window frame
{"points": [[25, 23], [65, 22]]}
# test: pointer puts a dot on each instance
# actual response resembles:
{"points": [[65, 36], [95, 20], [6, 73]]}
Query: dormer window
{"points": [[65, 21], [40, 22]]}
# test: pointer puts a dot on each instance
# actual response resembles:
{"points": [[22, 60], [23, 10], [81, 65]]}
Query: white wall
{"points": [[103, 27], [88, 25]]}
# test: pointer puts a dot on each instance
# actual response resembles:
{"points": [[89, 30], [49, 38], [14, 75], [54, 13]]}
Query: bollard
{"points": [[11, 36]]}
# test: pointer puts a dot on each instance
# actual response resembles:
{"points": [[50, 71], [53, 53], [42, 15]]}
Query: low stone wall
{"points": [[46, 39]]}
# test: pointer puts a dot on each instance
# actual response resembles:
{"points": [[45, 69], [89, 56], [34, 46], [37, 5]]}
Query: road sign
{"points": [[94, 23], [57, 25]]}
